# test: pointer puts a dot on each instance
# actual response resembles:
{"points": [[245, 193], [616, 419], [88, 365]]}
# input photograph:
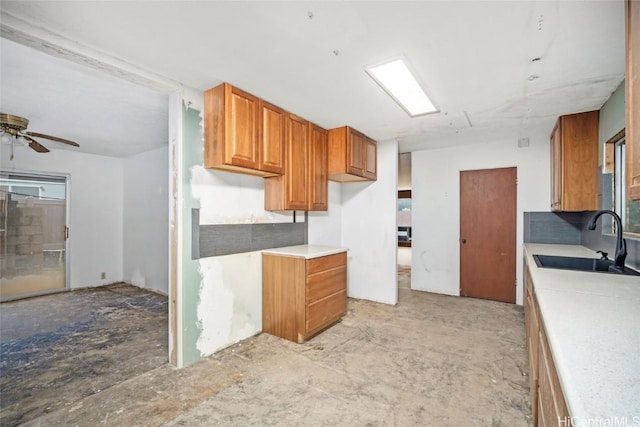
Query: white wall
{"points": [[146, 220], [404, 255], [325, 228], [436, 204], [369, 231], [95, 223]]}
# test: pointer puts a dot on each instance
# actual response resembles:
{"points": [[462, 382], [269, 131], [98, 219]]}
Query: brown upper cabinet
{"points": [[574, 162], [633, 98], [318, 168], [352, 156], [242, 133], [271, 138], [303, 186]]}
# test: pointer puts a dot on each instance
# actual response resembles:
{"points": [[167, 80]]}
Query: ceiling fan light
{"points": [[5, 138], [22, 141]]}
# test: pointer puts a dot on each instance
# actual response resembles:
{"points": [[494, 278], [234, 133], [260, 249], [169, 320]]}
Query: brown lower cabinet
{"points": [[301, 297], [548, 405]]}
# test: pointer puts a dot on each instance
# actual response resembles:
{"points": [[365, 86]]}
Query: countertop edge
{"points": [[305, 251]]}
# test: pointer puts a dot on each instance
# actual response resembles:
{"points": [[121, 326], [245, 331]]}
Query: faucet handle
{"points": [[605, 255]]}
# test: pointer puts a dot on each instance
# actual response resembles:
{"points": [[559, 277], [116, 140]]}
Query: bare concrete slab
{"points": [[430, 360], [58, 349]]}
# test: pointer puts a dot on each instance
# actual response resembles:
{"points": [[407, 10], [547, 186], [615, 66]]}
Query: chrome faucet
{"points": [[621, 244]]}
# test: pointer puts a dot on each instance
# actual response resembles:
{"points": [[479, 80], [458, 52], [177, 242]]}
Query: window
{"points": [[628, 210]]}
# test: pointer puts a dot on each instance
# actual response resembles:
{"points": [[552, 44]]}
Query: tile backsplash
{"points": [[570, 228]]}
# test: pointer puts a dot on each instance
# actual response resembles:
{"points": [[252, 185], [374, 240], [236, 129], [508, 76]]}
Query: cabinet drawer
{"points": [[326, 262], [321, 313], [325, 283]]}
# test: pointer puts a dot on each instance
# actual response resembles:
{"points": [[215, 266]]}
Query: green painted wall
{"points": [[191, 155], [612, 115]]}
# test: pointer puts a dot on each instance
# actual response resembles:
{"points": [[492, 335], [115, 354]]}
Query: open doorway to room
{"points": [[33, 234], [109, 251], [404, 220]]}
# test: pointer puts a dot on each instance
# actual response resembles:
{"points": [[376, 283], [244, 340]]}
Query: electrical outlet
{"points": [[103, 275]]}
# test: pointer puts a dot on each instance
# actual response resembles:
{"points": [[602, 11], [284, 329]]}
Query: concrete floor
{"points": [[432, 360]]}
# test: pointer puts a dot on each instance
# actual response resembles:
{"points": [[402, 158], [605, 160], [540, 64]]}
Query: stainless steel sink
{"points": [[581, 264]]}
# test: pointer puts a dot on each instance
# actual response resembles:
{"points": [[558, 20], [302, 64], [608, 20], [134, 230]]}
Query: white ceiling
{"points": [[475, 58], [104, 114]]}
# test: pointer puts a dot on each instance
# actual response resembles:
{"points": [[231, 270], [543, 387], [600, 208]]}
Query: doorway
{"points": [[403, 220], [488, 234], [33, 234]]}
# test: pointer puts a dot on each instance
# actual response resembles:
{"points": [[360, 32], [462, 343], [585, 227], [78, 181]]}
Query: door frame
{"points": [[67, 246]]}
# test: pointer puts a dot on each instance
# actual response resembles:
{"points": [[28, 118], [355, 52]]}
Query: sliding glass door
{"points": [[33, 234]]}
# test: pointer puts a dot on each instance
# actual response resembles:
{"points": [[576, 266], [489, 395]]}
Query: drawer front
{"points": [[325, 283], [322, 313], [315, 265]]}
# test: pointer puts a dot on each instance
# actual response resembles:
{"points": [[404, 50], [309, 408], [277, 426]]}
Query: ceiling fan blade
{"points": [[36, 146], [53, 138]]}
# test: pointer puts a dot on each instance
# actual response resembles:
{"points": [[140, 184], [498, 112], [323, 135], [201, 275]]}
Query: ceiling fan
{"points": [[14, 129]]}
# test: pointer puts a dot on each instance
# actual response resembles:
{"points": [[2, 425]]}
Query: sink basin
{"points": [[581, 264]]}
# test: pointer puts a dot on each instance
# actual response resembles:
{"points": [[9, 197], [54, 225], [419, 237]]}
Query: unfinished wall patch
{"points": [[230, 300], [215, 308]]}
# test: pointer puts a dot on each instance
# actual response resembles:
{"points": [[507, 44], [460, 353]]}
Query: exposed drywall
{"points": [[369, 231], [221, 296], [436, 204], [96, 217], [230, 307], [146, 220]]}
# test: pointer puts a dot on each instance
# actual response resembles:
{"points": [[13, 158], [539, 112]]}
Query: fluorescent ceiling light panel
{"points": [[396, 79]]}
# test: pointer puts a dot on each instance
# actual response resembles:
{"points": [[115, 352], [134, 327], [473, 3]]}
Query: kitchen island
{"points": [[591, 321]]}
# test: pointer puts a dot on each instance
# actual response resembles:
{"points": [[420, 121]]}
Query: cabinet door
{"points": [[271, 140], [371, 159], [552, 408], [355, 152], [556, 162], [579, 162], [633, 99], [241, 127], [318, 164], [297, 155]]}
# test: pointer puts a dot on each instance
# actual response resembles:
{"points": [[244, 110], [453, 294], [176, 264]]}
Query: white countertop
{"points": [[592, 322], [305, 251]]}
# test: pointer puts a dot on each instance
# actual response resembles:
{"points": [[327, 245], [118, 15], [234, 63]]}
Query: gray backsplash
{"points": [[225, 239], [570, 228], [550, 227]]}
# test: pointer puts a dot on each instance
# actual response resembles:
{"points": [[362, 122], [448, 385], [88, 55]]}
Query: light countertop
{"points": [[305, 251], [592, 322]]}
